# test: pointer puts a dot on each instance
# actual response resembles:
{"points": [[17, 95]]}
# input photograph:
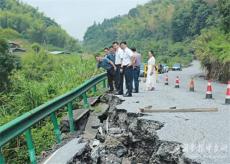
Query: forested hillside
{"points": [[19, 20], [31, 79], [156, 25], [169, 28], [40, 78]]}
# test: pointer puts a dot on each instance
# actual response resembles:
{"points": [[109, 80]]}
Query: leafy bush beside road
{"points": [[213, 50], [41, 77]]}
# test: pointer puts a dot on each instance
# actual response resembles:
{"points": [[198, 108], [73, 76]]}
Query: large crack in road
{"points": [[122, 136], [125, 138]]}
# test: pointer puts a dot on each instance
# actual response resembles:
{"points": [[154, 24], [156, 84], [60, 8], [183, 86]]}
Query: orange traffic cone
{"points": [[227, 98], [166, 80], [177, 85], [209, 90], [191, 85]]}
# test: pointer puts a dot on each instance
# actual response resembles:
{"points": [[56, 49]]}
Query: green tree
{"points": [[224, 9], [190, 18], [36, 47], [2, 4], [33, 25], [55, 36], [213, 50], [7, 63]]}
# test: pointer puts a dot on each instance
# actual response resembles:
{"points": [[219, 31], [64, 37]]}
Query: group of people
{"points": [[121, 63]]}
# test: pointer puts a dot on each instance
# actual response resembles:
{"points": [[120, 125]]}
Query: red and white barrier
{"points": [[192, 85], [166, 80], [209, 90], [227, 98], [177, 84]]}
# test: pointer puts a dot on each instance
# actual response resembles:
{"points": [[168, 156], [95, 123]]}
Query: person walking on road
{"points": [[109, 66], [151, 73], [118, 74], [127, 68], [136, 70]]}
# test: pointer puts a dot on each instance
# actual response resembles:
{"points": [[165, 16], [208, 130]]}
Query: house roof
{"points": [[58, 52]]}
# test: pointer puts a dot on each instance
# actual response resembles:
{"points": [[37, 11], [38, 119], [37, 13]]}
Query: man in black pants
{"points": [[118, 75], [109, 66], [127, 67], [136, 70], [111, 57]]}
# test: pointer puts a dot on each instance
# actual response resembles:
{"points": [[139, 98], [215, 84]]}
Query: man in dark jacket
{"points": [[109, 66]]}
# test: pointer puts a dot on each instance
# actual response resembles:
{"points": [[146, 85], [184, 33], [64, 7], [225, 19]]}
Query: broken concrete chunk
{"points": [[169, 152], [96, 143], [126, 161], [103, 111], [80, 117], [83, 157], [66, 153], [95, 154], [115, 131], [121, 151], [127, 138], [110, 159], [100, 137], [100, 130], [111, 142], [93, 100], [95, 126]]}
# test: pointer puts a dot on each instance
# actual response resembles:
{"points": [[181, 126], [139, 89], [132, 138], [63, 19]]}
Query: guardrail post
{"points": [[70, 115], [30, 146], [2, 160], [56, 127], [85, 100], [104, 83], [94, 89]]}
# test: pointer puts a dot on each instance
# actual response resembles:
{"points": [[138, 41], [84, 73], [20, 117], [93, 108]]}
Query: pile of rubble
{"points": [[127, 138]]}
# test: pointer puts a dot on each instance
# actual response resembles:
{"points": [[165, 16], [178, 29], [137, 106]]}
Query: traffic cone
{"points": [[177, 82], [209, 90], [191, 85], [227, 98], [166, 80]]}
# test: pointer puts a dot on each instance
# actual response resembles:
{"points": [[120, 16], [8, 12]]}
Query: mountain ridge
{"points": [[28, 23]]}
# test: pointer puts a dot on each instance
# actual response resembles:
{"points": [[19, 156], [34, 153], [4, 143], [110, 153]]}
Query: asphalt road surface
{"points": [[205, 136]]}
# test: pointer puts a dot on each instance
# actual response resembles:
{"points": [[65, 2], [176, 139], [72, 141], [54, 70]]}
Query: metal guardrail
{"points": [[24, 123]]}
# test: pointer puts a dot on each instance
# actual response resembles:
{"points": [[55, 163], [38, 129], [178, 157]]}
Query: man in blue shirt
{"points": [[109, 66], [106, 51], [111, 54]]}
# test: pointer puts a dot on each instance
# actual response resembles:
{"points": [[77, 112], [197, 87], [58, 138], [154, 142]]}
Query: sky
{"points": [[75, 16]]}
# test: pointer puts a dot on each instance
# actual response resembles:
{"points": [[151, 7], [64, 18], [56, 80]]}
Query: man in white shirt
{"points": [[127, 61], [118, 75]]}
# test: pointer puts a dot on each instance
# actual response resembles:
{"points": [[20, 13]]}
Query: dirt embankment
{"points": [[217, 71]]}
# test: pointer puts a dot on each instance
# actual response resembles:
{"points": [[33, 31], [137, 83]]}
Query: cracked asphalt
{"points": [[205, 136]]}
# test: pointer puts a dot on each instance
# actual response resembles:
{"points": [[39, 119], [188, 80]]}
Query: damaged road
{"points": [[126, 138], [205, 136], [121, 134]]}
